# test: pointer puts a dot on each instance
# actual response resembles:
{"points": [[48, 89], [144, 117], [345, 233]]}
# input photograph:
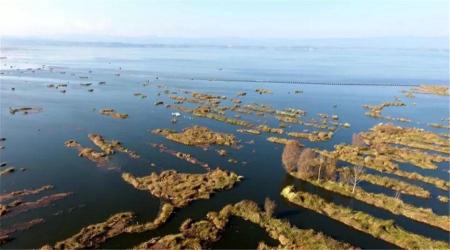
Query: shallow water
{"points": [[36, 141]]}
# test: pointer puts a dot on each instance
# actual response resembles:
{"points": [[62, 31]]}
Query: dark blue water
{"points": [[36, 141]]}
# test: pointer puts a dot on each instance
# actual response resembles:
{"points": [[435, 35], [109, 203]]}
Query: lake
{"points": [[333, 80]]}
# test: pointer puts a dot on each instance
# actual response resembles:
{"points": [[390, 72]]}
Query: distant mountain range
{"points": [[244, 43]]}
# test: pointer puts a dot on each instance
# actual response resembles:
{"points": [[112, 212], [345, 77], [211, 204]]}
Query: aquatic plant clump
{"points": [[112, 113], [200, 234], [411, 137], [198, 136], [263, 91], [379, 228], [110, 147], [396, 185], [267, 129], [98, 157], [24, 192], [163, 215], [391, 204], [375, 110], [24, 110], [180, 155], [207, 112], [249, 131], [5, 233], [313, 136], [443, 199], [93, 235], [432, 90], [382, 163], [278, 140], [180, 189], [7, 171], [18, 206], [438, 125]]}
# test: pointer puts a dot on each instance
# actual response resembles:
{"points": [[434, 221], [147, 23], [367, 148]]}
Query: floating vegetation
{"points": [[432, 90], [180, 155], [267, 129], [200, 234], [394, 184], [93, 235], [222, 152], [143, 96], [375, 110], [249, 131], [24, 110], [24, 192], [263, 91], [207, 113], [180, 189], [382, 229], [438, 125], [314, 136], [385, 154], [278, 140], [305, 164], [443, 199], [257, 109], [5, 233], [210, 109], [214, 99], [411, 137], [7, 171], [17, 206], [381, 163], [100, 158], [112, 113], [110, 147], [391, 204], [197, 136], [418, 158], [163, 215]]}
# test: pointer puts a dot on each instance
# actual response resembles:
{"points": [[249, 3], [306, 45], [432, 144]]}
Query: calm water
{"points": [[36, 141]]}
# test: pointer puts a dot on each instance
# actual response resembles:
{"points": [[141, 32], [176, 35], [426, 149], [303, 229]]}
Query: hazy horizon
{"points": [[198, 19]]}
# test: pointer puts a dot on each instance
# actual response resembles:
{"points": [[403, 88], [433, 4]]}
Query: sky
{"points": [[225, 18]]}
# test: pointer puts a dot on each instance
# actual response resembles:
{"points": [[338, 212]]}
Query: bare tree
{"points": [[357, 172], [358, 140], [398, 194], [307, 163], [321, 164], [291, 152], [330, 170], [269, 206]]}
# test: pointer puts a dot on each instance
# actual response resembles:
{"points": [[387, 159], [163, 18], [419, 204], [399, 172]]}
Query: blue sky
{"points": [[225, 18]]}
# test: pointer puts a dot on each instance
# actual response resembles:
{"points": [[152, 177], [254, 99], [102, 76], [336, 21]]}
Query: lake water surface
{"points": [[36, 141]]}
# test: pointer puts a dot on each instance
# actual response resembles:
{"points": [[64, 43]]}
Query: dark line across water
{"points": [[291, 82]]}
